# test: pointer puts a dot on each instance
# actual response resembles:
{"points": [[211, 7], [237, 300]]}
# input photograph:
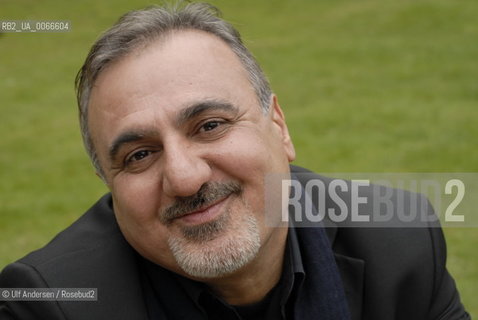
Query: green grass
{"points": [[367, 86]]}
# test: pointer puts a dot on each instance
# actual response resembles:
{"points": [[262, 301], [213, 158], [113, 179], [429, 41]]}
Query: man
{"points": [[181, 125]]}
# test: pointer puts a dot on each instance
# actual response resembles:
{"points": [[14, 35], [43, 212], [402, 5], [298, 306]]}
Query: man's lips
{"points": [[205, 214]]}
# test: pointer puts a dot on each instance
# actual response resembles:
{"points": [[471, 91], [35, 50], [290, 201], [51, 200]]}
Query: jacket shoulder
{"points": [[387, 268], [91, 253], [95, 228]]}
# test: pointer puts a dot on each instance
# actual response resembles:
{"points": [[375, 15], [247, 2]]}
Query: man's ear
{"points": [[99, 175], [278, 118]]}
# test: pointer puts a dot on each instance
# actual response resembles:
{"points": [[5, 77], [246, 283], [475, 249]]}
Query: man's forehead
{"points": [[180, 47], [187, 68], [177, 60]]}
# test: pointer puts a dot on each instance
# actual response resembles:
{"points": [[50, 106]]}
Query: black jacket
{"points": [[388, 273]]}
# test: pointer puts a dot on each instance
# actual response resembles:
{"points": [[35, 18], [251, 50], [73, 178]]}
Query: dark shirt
{"points": [[277, 304]]}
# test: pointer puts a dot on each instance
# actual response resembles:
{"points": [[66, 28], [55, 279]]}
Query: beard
{"points": [[219, 247]]}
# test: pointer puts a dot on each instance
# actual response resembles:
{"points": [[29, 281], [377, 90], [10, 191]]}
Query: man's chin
{"points": [[214, 254], [203, 233]]}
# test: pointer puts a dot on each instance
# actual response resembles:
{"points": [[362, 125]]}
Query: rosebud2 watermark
{"points": [[373, 199], [48, 294]]}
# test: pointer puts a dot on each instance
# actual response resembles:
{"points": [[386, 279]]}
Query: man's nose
{"points": [[185, 171]]}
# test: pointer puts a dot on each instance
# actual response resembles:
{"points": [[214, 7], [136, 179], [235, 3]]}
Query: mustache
{"points": [[209, 193]]}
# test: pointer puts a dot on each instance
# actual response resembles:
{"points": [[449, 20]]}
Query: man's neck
{"points": [[252, 283]]}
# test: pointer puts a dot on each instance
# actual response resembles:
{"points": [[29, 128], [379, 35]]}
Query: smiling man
{"points": [[182, 126], [171, 125]]}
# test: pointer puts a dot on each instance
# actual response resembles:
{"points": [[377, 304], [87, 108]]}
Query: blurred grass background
{"points": [[367, 86]]}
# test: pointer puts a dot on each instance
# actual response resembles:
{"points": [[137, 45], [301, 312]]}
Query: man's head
{"points": [[184, 129], [137, 29]]}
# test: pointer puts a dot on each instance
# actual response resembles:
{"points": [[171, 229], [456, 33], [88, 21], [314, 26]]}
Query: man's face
{"points": [[185, 148]]}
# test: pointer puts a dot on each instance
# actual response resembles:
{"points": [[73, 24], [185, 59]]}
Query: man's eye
{"points": [[210, 125], [137, 156]]}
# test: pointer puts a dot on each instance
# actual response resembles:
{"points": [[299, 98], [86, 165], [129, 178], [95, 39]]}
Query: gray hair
{"points": [[139, 28]]}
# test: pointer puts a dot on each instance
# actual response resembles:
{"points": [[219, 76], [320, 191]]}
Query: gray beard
{"points": [[238, 242]]}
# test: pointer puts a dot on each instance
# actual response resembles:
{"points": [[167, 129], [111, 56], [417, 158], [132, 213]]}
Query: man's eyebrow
{"points": [[184, 115], [125, 138], [204, 106]]}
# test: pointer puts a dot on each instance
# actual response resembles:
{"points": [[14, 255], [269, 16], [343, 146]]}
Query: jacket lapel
{"points": [[351, 269], [352, 274]]}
